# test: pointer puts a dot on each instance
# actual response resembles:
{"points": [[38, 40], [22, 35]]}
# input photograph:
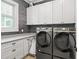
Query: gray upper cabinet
{"points": [[57, 11], [53, 12], [40, 14], [45, 13], [63, 11], [69, 11], [32, 15], [29, 15]]}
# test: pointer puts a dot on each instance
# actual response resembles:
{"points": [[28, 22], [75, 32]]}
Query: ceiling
{"points": [[33, 1], [36, 2]]}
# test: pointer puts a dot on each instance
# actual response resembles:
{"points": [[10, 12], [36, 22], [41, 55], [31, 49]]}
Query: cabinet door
{"points": [[48, 13], [69, 11], [20, 48], [57, 11], [25, 46], [3, 50], [45, 13], [35, 15], [32, 15], [41, 14], [29, 15], [6, 50]]}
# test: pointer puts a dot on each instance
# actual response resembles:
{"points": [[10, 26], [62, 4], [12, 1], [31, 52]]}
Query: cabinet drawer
{"points": [[13, 43], [12, 50], [3, 53], [3, 45], [14, 53], [13, 56], [8, 44]]}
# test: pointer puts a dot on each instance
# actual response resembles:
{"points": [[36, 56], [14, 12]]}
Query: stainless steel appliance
{"points": [[44, 43], [64, 43], [56, 43]]}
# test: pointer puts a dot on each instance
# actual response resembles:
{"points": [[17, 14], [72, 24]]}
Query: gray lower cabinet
{"points": [[25, 46], [12, 50], [16, 49], [30, 46], [33, 46]]}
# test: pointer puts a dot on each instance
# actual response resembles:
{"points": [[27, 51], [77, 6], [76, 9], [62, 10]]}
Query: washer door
{"points": [[43, 39], [63, 41]]}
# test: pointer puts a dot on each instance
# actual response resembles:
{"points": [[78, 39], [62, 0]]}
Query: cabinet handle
{"points": [[13, 43], [14, 58], [13, 50], [27, 39]]}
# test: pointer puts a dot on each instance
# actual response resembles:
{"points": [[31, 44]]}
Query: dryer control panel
{"points": [[64, 29]]}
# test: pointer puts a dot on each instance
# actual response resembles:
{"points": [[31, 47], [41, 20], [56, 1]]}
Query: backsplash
{"points": [[32, 28]]}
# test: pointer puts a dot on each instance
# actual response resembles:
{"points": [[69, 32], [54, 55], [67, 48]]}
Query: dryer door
{"points": [[43, 39], [64, 44], [61, 41], [64, 40]]}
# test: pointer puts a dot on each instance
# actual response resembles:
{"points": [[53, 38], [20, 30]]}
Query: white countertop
{"points": [[8, 38]]}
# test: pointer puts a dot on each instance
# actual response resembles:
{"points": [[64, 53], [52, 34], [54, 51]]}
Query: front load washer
{"points": [[64, 43], [44, 43]]}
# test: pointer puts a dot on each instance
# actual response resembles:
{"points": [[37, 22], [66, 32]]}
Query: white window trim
{"points": [[16, 15]]}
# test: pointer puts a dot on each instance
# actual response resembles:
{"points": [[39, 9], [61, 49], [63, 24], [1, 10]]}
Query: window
{"points": [[9, 16]]}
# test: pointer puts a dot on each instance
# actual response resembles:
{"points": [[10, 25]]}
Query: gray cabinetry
{"points": [[53, 12], [17, 49], [12, 50]]}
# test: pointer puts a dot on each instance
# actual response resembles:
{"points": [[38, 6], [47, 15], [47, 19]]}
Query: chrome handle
{"points": [[14, 58], [13, 43], [13, 50]]}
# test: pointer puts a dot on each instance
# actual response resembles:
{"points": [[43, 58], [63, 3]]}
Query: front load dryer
{"points": [[64, 43]]}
